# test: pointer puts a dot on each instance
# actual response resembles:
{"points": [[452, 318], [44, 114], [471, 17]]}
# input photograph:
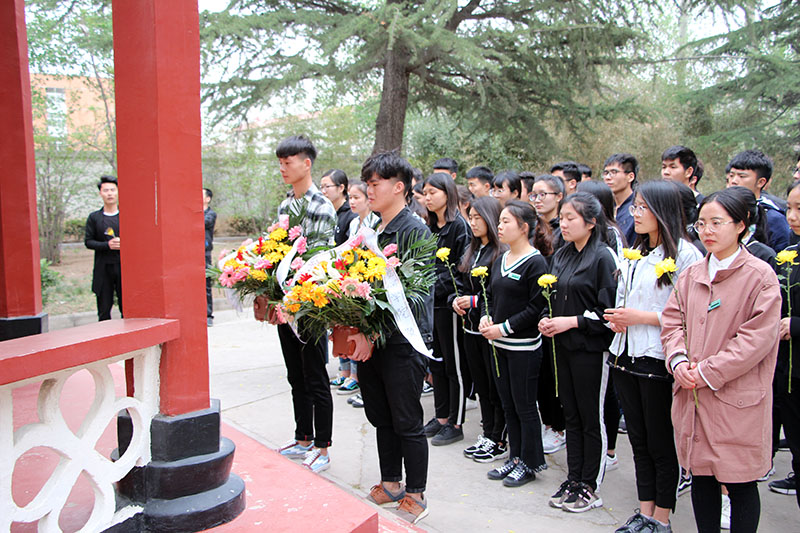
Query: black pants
{"points": [[311, 392], [518, 386], [549, 405], [611, 414], [391, 385], [707, 504], [790, 415], [209, 281], [483, 371], [582, 379], [647, 403], [449, 392], [110, 283]]}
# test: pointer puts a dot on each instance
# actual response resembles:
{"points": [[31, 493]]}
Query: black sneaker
{"points": [[685, 482], [783, 445], [581, 499], [519, 476], [623, 426], [481, 445], [432, 427], [557, 499], [786, 486], [501, 471], [427, 388], [447, 435], [496, 452], [634, 523], [357, 402]]}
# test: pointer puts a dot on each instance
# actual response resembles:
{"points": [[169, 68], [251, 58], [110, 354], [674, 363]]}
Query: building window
{"points": [[56, 112]]}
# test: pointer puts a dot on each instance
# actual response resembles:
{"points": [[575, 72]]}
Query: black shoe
{"points": [[432, 427], [783, 445], [447, 435], [494, 453], [685, 482], [501, 471], [519, 476], [634, 523], [784, 486], [557, 499], [623, 426]]}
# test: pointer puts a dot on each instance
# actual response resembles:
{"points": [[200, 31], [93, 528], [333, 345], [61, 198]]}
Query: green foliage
{"points": [[246, 225], [50, 280], [75, 229]]}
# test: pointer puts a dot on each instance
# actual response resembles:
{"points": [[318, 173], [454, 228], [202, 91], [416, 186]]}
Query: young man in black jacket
{"points": [[391, 379], [210, 220], [102, 236]]}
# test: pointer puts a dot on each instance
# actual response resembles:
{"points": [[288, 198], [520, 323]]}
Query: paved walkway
{"points": [[248, 376]]}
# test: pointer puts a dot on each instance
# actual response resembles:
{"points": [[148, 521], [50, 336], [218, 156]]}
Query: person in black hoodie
{"points": [[515, 302], [586, 269], [333, 185], [547, 196], [449, 365], [788, 367], [484, 249]]}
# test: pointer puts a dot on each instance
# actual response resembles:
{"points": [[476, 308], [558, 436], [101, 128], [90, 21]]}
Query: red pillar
{"points": [[20, 284], [157, 77]]}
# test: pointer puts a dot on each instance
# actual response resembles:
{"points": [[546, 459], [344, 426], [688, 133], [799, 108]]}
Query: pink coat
{"points": [[736, 346]]}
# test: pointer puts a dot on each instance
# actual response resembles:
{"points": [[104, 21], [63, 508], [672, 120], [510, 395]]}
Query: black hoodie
{"points": [[455, 235]]}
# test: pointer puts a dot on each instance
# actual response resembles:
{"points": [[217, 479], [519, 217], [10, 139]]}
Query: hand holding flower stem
{"points": [[481, 273], [786, 259], [631, 255], [443, 254], [546, 282]]}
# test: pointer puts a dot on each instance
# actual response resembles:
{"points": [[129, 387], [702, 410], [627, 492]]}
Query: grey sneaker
{"points": [[519, 476], [557, 499], [432, 427], [582, 499], [448, 435], [784, 486], [501, 471], [634, 523], [655, 527]]}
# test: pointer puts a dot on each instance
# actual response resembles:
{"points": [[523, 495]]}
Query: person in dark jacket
{"points": [[547, 196], [102, 236], [485, 247], [210, 219], [333, 185], [391, 380], [449, 367], [586, 271], [788, 367], [515, 303]]}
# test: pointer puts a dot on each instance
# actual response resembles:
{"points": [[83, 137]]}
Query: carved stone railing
{"points": [[52, 358]]}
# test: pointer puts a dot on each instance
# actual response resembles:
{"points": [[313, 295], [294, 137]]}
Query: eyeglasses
{"points": [[712, 226], [540, 195], [635, 210], [613, 172], [496, 192]]}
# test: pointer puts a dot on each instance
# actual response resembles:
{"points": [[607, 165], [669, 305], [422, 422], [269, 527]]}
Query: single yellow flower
{"points": [[664, 266], [547, 280], [479, 272], [443, 254], [258, 275], [631, 254], [786, 256]]}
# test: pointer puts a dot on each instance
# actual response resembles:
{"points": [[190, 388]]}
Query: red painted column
{"points": [[20, 284], [157, 71]]}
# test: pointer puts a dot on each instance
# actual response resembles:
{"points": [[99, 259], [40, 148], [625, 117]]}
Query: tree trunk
{"points": [[394, 100]]}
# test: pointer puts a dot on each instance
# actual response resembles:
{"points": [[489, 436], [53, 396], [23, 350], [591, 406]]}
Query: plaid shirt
{"points": [[320, 217]]}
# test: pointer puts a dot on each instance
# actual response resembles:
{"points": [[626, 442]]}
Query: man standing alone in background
{"points": [[210, 221], [102, 236]]}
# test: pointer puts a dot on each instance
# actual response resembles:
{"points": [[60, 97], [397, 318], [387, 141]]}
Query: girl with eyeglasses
{"points": [[547, 196], [636, 356], [722, 404], [586, 270]]}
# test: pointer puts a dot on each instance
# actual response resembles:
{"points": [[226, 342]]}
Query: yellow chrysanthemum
{"points": [[786, 256], [258, 275], [357, 270], [348, 256], [233, 263], [479, 272], [664, 266], [443, 254], [278, 234], [319, 297], [631, 254], [547, 280]]}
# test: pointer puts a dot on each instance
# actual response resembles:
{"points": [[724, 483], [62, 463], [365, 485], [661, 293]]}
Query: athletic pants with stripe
{"points": [[582, 380], [449, 393]]}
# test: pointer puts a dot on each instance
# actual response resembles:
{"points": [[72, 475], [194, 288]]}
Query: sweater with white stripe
{"points": [[516, 300]]}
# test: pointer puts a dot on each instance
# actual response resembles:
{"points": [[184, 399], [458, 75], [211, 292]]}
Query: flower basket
{"points": [[344, 346], [260, 308]]}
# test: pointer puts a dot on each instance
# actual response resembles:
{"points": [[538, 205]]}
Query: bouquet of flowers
{"points": [[252, 269], [359, 288]]}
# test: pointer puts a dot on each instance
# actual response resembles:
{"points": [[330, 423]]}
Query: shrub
{"points": [[50, 280], [74, 229], [246, 225]]}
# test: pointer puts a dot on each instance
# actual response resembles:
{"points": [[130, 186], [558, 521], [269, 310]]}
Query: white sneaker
{"points": [[612, 462], [471, 404], [316, 462], [725, 516], [553, 442]]}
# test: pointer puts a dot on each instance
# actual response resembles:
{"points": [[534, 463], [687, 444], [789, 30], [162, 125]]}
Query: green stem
{"points": [[455, 288], [789, 304], [624, 304], [552, 342], [486, 306]]}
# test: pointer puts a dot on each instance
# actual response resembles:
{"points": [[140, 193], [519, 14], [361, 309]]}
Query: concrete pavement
{"points": [[248, 376]]}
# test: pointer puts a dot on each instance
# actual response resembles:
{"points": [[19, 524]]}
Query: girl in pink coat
{"points": [[722, 394]]}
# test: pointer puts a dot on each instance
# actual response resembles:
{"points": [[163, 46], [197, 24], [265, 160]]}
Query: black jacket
{"points": [[343, 217], [794, 325], [99, 230], [404, 229], [455, 235], [587, 285], [210, 220]]}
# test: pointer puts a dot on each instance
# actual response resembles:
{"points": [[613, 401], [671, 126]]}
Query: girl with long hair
{"points": [[586, 270], [515, 302], [637, 358], [333, 185]]}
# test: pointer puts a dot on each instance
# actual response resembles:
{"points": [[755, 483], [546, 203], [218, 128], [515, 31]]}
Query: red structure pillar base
{"points": [[22, 326], [188, 485]]}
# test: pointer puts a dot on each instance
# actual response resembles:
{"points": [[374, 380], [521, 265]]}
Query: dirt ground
{"points": [[74, 292]]}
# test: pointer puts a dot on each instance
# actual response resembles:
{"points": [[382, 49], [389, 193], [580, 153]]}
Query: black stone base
{"points": [[187, 486], [22, 326]]}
